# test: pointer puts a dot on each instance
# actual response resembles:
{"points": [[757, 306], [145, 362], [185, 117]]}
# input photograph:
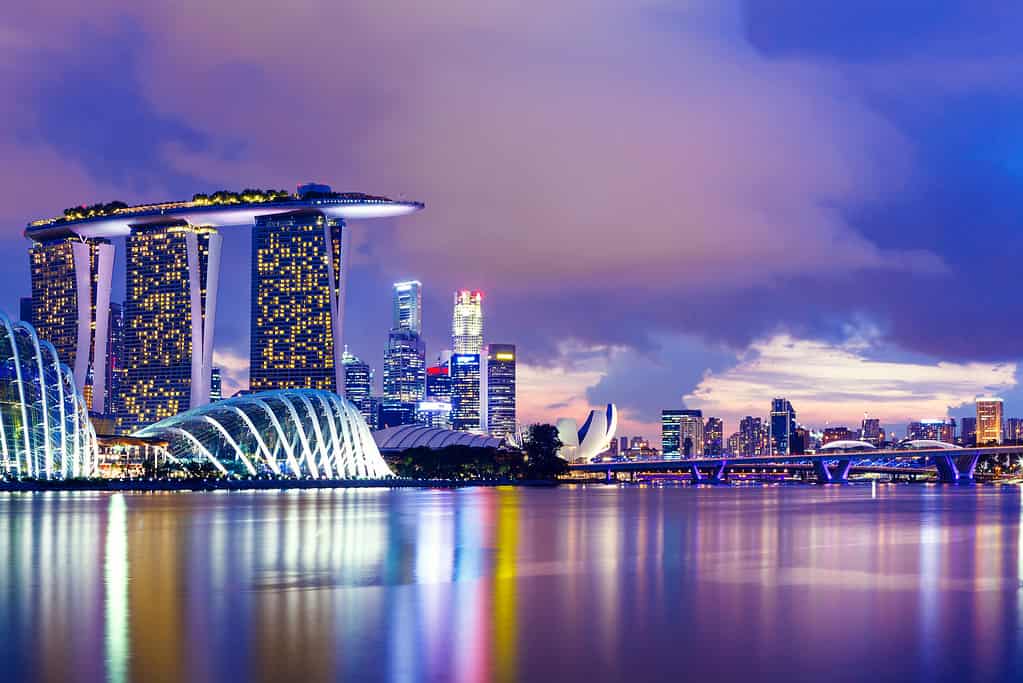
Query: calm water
{"points": [[595, 583]]}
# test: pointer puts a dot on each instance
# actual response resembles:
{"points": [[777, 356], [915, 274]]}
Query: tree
{"points": [[541, 446]]}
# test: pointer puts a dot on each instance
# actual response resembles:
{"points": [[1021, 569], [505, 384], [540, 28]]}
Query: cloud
{"points": [[234, 370], [838, 382]]}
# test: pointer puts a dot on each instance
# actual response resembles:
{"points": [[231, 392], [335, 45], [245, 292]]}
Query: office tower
{"points": [[671, 435], [613, 450], [408, 306], [752, 441], [297, 302], [25, 309], [783, 422], [216, 385], [438, 382], [733, 445], [170, 311], [1013, 430], [933, 430], [968, 431], [690, 433], [358, 381], [375, 406], [623, 444], [989, 421], [713, 436], [871, 432], [116, 361], [71, 279], [404, 377], [467, 323], [465, 392], [501, 390]]}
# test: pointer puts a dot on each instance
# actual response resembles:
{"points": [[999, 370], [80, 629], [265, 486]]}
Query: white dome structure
{"points": [[285, 433], [927, 444], [590, 440], [45, 431], [846, 445]]}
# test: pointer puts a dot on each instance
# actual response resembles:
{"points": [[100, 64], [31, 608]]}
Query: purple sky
{"points": [[705, 200]]}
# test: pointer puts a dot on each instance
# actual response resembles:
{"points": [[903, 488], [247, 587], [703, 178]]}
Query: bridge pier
{"points": [[695, 472], [956, 470], [609, 477], [838, 475]]}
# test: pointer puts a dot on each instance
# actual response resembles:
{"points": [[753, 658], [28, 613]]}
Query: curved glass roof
{"points": [[419, 436], [287, 433], [45, 431]]}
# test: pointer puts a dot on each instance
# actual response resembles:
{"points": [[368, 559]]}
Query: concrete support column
{"points": [[105, 276]]}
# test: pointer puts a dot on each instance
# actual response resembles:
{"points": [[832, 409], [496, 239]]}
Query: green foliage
{"points": [[541, 446], [459, 463]]}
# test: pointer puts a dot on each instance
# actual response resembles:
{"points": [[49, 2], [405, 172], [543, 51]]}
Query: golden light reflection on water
{"points": [[507, 584]]}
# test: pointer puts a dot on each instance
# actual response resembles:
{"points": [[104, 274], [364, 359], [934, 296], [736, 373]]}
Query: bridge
{"points": [[951, 465]]}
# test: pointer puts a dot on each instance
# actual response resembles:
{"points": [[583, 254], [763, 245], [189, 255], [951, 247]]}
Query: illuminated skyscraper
{"points": [[968, 431], [713, 436], [172, 277], [1013, 430], [671, 437], [408, 306], [871, 432], [690, 433], [783, 423], [752, 437], [216, 385], [989, 421], [358, 381], [467, 322], [404, 377], [116, 361], [296, 302], [465, 392], [501, 390], [70, 307]]}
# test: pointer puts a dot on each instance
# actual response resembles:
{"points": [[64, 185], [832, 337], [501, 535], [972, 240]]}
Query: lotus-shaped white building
{"points": [[592, 439], [45, 431], [287, 433]]}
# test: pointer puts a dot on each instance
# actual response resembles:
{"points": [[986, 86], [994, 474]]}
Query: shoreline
{"points": [[136, 485]]}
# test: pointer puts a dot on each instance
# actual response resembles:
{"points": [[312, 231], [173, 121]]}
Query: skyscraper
{"points": [[1013, 430], [70, 307], [690, 433], [871, 432], [404, 377], [297, 302], [713, 436], [501, 390], [989, 421], [116, 361], [465, 392], [752, 437], [467, 322], [170, 310], [783, 422], [216, 385], [671, 437], [358, 381], [408, 306], [968, 431]]}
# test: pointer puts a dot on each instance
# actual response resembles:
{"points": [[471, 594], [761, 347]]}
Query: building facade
{"points": [[753, 438], [871, 432], [71, 280], [989, 421], [404, 377], [296, 302], [690, 434], [170, 311], [408, 306], [671, 435], [783, 423], [466, 413], [467, 322], [358, 377], [501, 417], [713, 436]]}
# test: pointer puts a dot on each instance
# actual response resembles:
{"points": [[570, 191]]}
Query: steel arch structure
{"points": [[288, 433]]}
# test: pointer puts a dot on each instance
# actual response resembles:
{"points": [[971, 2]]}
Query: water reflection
{"points": [[514, 584]]}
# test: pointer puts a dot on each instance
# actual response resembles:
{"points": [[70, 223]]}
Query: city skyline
{"points": [[836, 129]]}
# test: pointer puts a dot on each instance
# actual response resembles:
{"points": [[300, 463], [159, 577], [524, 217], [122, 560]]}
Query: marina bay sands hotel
{"points": [[300, 252]]}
